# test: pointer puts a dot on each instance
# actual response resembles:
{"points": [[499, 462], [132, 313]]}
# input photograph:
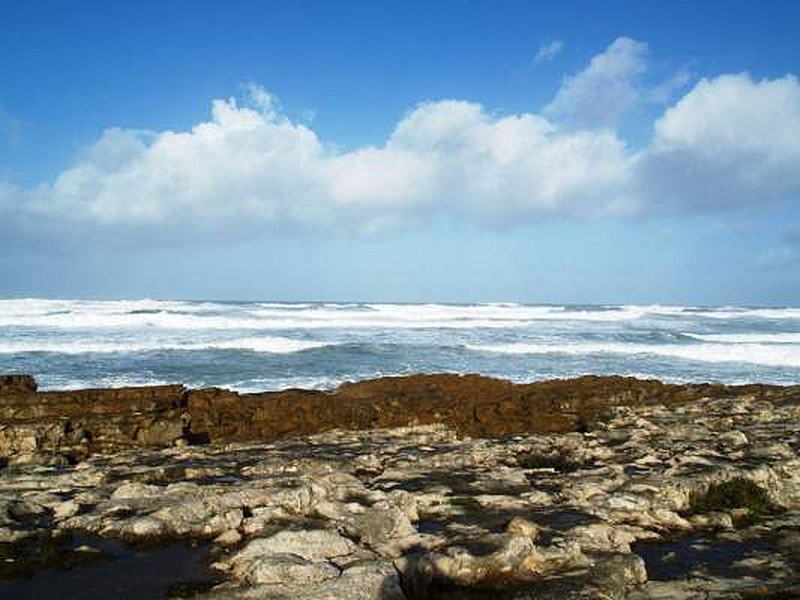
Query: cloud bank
{"points": [[728, 142]]}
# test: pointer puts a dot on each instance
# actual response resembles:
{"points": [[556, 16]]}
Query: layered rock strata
{"points": [[70, 425]]}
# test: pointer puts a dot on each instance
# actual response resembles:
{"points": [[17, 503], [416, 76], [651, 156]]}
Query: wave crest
{"points": [[271, 345], [758, 354]]}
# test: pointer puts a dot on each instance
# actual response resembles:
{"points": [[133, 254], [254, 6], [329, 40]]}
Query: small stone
{"points": [[733, 439], [65, 510], [520, 526], [228, 538], [135, 490], [145, 527]]}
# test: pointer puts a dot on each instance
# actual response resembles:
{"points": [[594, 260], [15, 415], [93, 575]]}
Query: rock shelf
{"points": [[68, 426], [587, 488]]}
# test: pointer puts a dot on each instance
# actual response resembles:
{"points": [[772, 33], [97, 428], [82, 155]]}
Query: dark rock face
{"points": [[471, 404], [17, 384], [71, 425], [68, 426]]}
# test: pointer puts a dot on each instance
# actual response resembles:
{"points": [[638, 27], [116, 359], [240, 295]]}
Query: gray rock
{"points": [[311, 545]]}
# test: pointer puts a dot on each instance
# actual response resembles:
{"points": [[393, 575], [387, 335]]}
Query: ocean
{"points": [[257, 346]]}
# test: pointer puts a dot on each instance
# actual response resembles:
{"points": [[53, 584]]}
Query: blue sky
{"points": [[584, 152]]}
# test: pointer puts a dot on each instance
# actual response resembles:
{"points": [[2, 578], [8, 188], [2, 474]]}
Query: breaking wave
{"points": [[273, 345], [758, 354]]}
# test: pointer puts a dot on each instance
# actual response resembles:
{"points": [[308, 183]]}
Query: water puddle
{"points": [[681, 557], [87, 568]]}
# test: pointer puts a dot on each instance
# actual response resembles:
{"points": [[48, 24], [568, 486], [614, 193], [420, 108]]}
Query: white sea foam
{"points": [[114, 381], [254, 385], [758, 354], [748, 338], [275, 345], [272, 345], [732, 312], [155, 314], [264, 384], [184, 314]]}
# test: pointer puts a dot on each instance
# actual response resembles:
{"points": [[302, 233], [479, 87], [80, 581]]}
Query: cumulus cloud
{"points": [[250, 167], [602, 92], [662, 92], [548, 51], [729, 142]]}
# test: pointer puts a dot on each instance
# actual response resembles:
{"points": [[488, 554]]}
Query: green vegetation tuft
{"points": [[734, 493], [466, 502], [560, 463]]}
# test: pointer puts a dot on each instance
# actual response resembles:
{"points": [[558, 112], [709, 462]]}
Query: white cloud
{"points": [[548, 51], [664, 91], [243, 166], [513, 168], [251, 168], [601, 93], [729, 142], [761, 117]]}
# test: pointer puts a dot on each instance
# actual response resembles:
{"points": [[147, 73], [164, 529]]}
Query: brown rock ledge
{"points": [[63, 426]]}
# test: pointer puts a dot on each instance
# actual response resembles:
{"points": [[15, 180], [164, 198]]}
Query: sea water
{"points": [[255, 346]]}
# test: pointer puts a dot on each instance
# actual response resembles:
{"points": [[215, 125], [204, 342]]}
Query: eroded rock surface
{"points": [[427, 512], [65, 427]]}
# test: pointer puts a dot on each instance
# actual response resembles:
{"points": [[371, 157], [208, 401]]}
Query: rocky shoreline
{"points": [[422, 487]]}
